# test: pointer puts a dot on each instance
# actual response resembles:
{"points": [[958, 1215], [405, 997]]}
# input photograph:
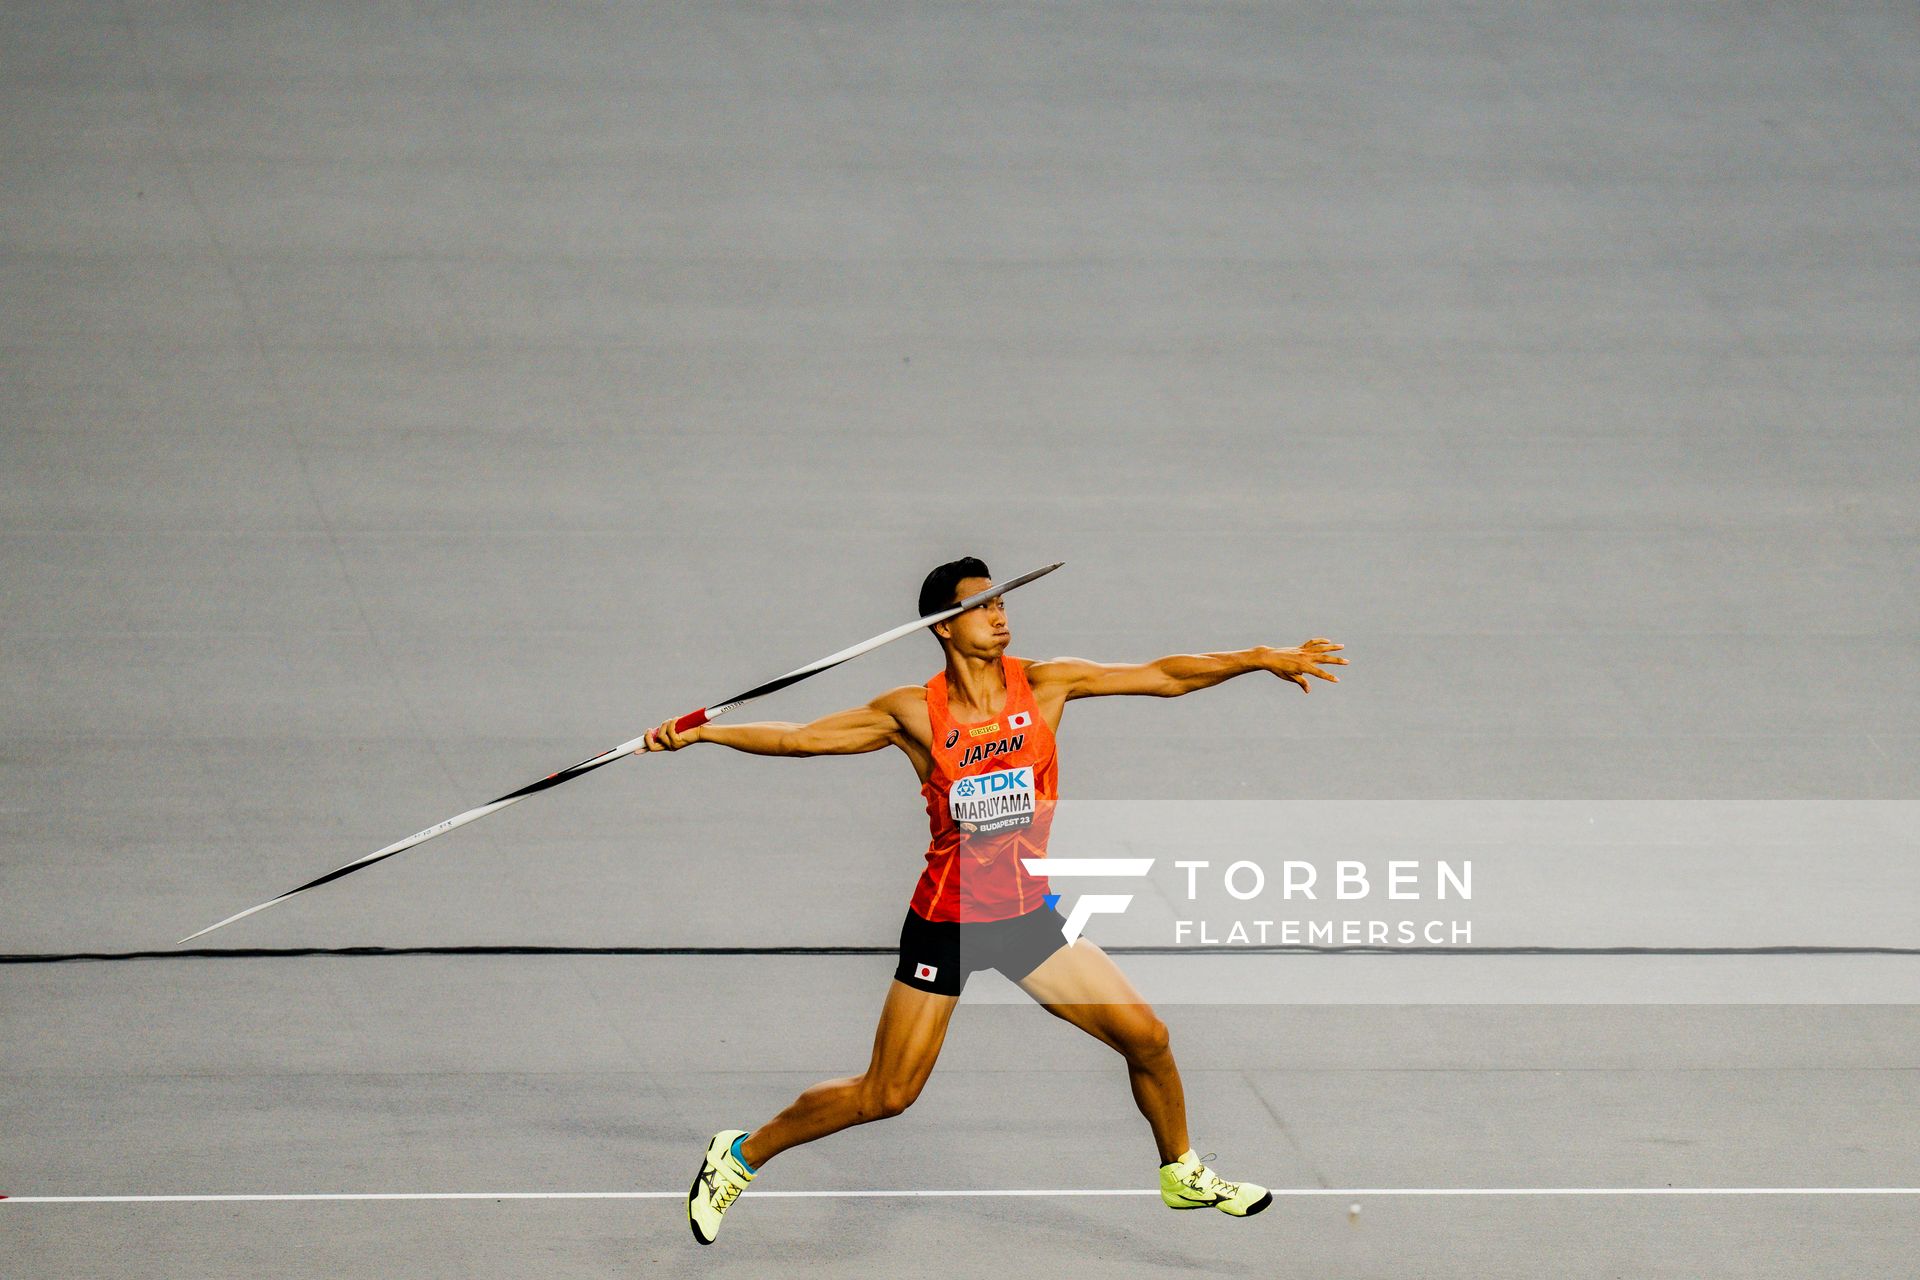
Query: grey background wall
{"points": [[399, 401], [402, 401]]}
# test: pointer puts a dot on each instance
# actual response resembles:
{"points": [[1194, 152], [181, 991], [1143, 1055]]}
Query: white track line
{"points": [[1352, 1193]]}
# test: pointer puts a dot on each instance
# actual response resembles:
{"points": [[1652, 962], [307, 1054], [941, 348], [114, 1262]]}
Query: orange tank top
{"points": [[990, 802]]}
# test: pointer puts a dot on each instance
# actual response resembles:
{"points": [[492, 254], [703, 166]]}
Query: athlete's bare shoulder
{"points": [[1051, 680], [1044, 674], [906, 695], [908, 706]]}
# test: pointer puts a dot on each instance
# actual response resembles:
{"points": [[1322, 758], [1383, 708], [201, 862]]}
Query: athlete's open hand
{"points": [[664, 738], [1297, 664]]}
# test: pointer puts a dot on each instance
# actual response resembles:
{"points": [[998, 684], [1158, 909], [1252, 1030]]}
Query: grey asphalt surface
{"points": [[401, 401]]}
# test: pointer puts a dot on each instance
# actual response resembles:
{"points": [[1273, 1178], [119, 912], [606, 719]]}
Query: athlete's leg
{"points": [[913, 1025], [1083, 985]]}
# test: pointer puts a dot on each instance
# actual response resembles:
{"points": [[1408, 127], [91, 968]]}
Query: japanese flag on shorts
{"points": [[924, 972]]}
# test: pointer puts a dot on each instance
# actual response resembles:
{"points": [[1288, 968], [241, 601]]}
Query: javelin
{"points": [[691, 720]]}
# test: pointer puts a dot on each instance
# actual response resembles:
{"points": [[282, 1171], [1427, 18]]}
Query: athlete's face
{"points": [[981, 631]]}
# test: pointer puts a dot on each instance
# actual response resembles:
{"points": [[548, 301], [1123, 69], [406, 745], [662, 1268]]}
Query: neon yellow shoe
{"points": [[1187, 1183], [722, 1177]]}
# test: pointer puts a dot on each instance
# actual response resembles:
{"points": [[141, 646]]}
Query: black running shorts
{"points": [[939, 956]]}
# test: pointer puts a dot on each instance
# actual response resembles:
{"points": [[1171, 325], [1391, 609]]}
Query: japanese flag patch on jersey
{"points": [[1019, 720], [995, 801]]}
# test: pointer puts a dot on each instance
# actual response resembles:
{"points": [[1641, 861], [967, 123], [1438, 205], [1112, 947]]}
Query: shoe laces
{"points": [[1203, 1179], [723, 1188]]}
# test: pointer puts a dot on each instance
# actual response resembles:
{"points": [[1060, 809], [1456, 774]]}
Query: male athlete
{"points": [[981, 737]]}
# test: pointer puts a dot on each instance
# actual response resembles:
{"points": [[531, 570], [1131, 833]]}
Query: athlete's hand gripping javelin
{"points": [[664, 737]]}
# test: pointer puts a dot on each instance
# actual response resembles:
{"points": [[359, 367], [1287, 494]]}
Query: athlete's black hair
{"points": [[938, 591]]}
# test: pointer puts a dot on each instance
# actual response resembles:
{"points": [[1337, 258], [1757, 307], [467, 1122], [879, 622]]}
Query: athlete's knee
{"points": [[1144, 1037], [881, 1098]]}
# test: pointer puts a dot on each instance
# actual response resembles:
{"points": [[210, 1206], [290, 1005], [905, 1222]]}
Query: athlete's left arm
{"points": [[1169, 677]]}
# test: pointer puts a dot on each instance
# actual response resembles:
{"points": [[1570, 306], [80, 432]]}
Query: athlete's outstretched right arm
{"points": [[844, 733]]}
